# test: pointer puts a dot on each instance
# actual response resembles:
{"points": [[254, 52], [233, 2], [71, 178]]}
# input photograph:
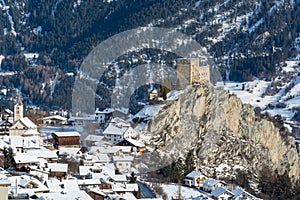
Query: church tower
{"points": [[18, 109]]}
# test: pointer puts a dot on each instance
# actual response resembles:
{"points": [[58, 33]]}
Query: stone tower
{"points": [[18, 109], [190, 72]]}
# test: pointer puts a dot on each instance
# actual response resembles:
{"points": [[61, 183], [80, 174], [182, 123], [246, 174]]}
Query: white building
{"points": [[123, 162], [114, 134], [194, 179]]}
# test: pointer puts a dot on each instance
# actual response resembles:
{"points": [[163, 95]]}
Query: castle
{"points": [[189, 72]]}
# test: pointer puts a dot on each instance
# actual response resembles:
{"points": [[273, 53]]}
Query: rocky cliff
{"points": [[226, 134]]}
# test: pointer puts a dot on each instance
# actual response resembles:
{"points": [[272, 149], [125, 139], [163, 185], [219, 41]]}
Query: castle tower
{"points": [[190, 72], [18, 109]]}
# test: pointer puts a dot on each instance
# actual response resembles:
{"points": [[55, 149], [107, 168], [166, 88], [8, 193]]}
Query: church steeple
{"points": [[18, 109]]}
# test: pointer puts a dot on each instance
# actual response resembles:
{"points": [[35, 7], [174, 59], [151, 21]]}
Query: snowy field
{"points": [[252, 92]]}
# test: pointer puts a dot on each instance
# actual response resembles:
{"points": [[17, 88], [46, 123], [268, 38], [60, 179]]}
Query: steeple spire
{"points": [[18, 108], [19, 101]]}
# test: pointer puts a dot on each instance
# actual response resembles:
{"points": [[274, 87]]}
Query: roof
{"points": [[67, 134], [94, 138], [58, 167], [113, 130], [24, 158], [134, 142], [28, 123], [124, 149], [210, 182], [69, 151], [102, 157], [42, 153], [31, 132], [105, 149], [105, 111], [118, 178], [25, 142], [219, 191], [122, 158], [57, 117], [193, 174], [68, 196], [8, 111]]}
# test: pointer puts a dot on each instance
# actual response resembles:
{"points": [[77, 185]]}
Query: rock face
{"points": [[226, 134]]}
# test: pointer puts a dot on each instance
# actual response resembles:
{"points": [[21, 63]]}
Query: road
{"points": [[146, 192]]}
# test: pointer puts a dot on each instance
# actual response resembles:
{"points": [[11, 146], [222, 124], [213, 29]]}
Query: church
{"points": [[22, 126]]}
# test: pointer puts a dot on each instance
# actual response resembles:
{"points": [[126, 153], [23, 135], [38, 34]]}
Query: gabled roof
{"points": [[8, 111], [24, 158], [58, 167], [56, 117], [123, 158], [210, 182], [219, 191], [67, 134], [28, 123], [25, 142], [113, 130], [68, 150], [193, 174], [134, 142], [116, 120], [118, 178], [94, 138]]}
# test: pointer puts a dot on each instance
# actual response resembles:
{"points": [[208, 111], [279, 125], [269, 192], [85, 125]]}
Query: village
{"points": [[52, 158]]}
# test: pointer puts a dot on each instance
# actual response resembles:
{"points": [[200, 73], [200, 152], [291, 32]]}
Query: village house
{"points": [[4, 127], [114, 134], [103, 116], [7, 115], [92, 140], [23, 160], [194, 179], [211, 184], [119, 122], [58, 170], [137, 146], [26, 185], [123, 163], [22, 144], [221, 193], [241, 194], [67, 139], [54, 120], [70, 152]]}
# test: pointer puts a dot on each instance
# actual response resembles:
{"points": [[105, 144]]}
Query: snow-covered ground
{"points": [[172, 191], [252, 92]]}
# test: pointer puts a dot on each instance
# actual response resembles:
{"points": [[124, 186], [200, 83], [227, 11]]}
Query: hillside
{"points": [[247, 39], [226, 136]]}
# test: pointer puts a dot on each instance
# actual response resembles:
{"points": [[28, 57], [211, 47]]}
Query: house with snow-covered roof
{"points": [[54, 120], [58, 170], [4, 127], [211, 184], [67, 139], [240, 194], [123, 162], [194, 179], [114, 134], [222, 193]]}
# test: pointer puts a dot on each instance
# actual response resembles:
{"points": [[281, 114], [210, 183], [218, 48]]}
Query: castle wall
{"points": [[189, 72]]}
